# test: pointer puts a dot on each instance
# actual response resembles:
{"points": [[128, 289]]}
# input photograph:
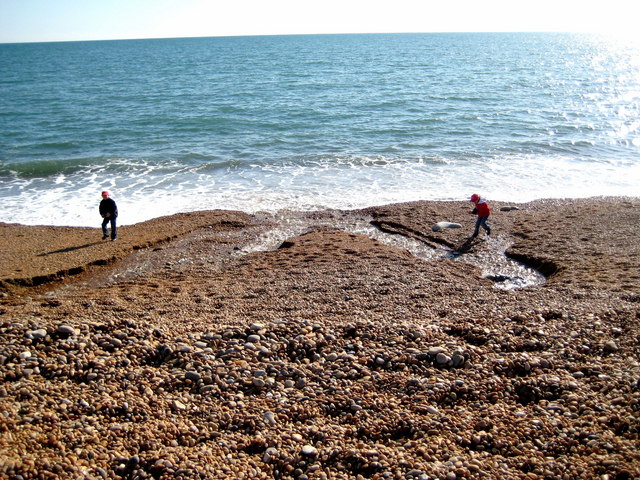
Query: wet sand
{"points": [[205, 345]]}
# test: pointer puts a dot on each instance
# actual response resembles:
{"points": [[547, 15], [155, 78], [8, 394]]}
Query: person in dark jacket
{"points": [[483, 211], [109, 212]]}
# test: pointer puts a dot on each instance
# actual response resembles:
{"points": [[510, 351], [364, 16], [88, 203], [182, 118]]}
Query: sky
{"points": [[69, 20]]}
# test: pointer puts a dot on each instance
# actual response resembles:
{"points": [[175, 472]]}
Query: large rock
{"points": [[444, 225]]}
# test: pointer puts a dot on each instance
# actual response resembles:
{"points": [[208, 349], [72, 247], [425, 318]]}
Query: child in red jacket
{"points": [[483, 210]]}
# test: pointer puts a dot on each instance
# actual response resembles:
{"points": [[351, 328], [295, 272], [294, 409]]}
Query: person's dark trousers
{"points": [[481, 222], [105, 231]]}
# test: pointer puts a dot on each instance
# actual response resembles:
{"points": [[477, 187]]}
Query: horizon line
{"points": [[556, 32]]}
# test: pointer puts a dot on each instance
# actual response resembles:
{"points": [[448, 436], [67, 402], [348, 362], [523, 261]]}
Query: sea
{"points": [[307, 122]]}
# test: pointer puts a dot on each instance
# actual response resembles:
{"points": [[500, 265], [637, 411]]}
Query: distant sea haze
{"points": [[312, 122]]}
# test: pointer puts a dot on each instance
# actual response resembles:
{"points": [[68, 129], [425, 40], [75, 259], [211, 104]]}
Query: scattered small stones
{"points": [[335, 358], [357, 379]]}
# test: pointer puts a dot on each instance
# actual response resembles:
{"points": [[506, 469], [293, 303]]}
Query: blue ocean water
{"points": [[313, 121]]}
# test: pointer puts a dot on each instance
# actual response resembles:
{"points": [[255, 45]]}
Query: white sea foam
{"points": [[143, 193]]}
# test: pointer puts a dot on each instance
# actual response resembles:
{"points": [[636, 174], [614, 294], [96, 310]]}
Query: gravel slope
{"points": [[183, 352]]}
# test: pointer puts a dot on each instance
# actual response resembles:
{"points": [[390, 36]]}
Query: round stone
{"points": [[442, 359], [38, 334], [66, 330], [309, 450]]}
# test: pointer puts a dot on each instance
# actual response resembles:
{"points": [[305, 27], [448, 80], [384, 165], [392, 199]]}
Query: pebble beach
{"points": [[317, 345]]}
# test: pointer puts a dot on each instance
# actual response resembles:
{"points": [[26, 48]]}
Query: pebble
{"points": [[442, 358], [309, 450], [270, 417], [193, 376], [37, 334], [270, 454], [435, 351], [66, 330], [457, 359]]}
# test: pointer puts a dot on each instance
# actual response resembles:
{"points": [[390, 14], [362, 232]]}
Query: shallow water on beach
{"points": [[274, 229], [313, 122], [490, 259]]}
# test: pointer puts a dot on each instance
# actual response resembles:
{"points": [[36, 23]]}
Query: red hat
{"points": [[474, 198]]}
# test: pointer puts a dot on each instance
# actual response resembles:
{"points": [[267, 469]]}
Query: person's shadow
{"points": [[466, 246], [69, 249]]}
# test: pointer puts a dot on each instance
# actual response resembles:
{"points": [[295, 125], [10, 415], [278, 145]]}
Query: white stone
{"points": [[444, 225]]}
